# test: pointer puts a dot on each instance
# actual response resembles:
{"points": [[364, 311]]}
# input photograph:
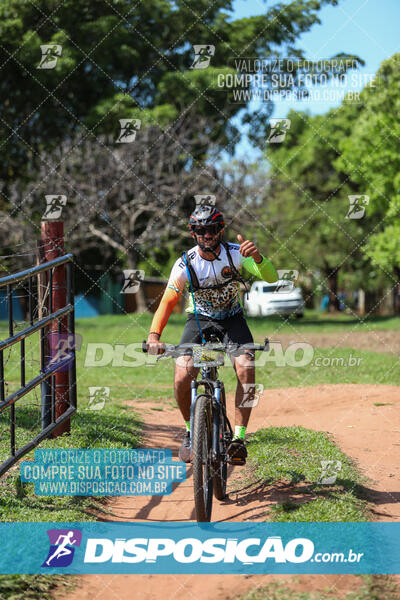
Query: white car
{"points": [[279, 298]]}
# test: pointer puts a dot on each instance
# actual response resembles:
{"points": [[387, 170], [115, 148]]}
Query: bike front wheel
{"points": [[221, 467], [220, 477], [201, 458]]}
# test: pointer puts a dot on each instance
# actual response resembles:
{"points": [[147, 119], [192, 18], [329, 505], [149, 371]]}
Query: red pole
{"points": [[53, 242]]}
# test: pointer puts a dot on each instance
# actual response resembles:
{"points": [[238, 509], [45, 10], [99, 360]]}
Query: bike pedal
{"points": [[236, 461]]}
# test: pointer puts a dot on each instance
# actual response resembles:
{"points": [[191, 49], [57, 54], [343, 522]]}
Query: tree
{"points": [[371, 157], [129, 199], [123, 59], [307, 198], [126, 59], [20, 251]]}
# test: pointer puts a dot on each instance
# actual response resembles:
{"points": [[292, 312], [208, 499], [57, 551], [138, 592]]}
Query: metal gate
{"points": [[59, 359]]}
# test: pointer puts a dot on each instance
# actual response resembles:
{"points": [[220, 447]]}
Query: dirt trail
{"points": [[368, 433], [375, 341]]}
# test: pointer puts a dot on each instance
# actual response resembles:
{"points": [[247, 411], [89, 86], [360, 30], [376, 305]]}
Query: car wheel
{"points": [[299, 315]]}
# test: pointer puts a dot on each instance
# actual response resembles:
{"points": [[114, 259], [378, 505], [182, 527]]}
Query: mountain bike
{"points": [[211, 431]]}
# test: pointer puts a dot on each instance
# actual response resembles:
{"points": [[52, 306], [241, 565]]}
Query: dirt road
{"points": [[364, 422]]}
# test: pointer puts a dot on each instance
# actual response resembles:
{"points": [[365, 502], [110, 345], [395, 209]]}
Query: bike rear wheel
{"points": [[201, 458]]}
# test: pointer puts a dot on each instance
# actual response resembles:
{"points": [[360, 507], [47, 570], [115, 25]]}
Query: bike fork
{"points": [[193, 399], [216, 422]]}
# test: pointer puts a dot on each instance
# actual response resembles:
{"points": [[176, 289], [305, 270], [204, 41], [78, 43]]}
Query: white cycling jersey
{"points": [[217, 303]]}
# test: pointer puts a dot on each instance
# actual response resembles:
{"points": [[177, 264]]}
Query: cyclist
{"points": [[211, 271]]}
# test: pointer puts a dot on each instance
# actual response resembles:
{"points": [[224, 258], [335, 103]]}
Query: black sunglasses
{"points": [[213, 229]]}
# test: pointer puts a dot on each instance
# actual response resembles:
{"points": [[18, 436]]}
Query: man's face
{"points": [[208, 236]]}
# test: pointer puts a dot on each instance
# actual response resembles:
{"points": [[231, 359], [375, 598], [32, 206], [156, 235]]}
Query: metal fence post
{"points": [[53, 241]]}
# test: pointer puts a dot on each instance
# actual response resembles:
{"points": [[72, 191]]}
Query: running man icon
{"points": [[62, 549], [62, 542], [357, 206], [50, 55], [54, 206], [129, 128], [279, 129], [132, 280], [203, 54]]}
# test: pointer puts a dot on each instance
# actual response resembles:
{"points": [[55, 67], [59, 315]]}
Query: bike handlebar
{"points": [[180, 349]]}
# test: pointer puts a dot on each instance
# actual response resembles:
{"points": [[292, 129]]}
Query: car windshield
{"points": [[281, 286]]}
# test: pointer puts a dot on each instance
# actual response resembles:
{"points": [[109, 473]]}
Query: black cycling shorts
{"points": [[233, 331]]}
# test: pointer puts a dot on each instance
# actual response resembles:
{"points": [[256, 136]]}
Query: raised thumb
{"points": [[240, 238]]}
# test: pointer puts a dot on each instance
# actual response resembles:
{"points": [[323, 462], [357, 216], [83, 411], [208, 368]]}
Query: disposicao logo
{"points": [[189, 550], [62, 542]]}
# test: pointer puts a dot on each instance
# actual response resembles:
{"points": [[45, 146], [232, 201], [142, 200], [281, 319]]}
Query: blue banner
{"points": [[103, 472], [229, 548]]}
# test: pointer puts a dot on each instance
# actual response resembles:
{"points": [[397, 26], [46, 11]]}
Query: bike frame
{"points": [[212, 387]]}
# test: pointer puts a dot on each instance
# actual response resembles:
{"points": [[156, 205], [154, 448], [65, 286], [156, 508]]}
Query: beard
{"points": [[213, 245]]}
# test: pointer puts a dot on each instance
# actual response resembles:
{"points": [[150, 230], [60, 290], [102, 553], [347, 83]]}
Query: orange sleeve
{"points": [[168, 302]]}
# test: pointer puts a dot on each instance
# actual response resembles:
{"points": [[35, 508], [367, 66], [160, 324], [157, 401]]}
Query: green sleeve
{"points": [[265, 270]]}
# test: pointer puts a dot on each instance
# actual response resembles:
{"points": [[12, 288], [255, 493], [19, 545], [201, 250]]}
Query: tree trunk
{"points": [[331, 274], [140, 298]]}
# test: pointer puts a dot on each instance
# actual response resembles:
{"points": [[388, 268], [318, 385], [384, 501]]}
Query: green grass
{"points": [[372, 368], [155, 381], [33, 587], [287, 460], [116, 426], [372, 587], [313, 322]]}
